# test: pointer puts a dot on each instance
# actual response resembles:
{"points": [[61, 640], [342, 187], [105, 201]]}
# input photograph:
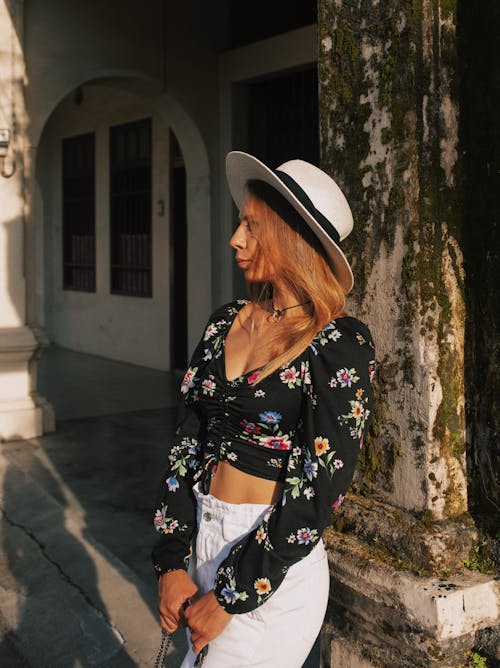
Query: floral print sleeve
{"points": [[175, 515], [334, 418]]}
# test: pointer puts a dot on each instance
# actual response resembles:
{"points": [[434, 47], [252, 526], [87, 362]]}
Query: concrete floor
{"points": [[76, 585], [79, 385]]}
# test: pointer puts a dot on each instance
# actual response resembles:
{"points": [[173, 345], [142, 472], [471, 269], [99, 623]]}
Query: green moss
{"points": [[435, 651], [386, 77], [381, 449], [448, 8], [346, 93], [479, 559], [427, 518], [475, 660], [386, 135], [408, 307]]}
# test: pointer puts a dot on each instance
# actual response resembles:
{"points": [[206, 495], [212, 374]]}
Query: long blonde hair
{"points": [[289, 245]]}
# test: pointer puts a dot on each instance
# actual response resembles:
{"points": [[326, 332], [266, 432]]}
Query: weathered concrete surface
{"points": [[390, 617], [63, 596], [421, 546]]}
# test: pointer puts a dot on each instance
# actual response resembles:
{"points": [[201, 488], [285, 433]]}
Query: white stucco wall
{"points": [[135, 329]]}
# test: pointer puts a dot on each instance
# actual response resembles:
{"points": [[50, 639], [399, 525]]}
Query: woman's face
{"points": [[248, 252]]}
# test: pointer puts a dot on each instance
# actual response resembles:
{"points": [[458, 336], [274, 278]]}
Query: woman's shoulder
{"points": [[340, 351], [220, 320], [343, 333], [226, 311]]}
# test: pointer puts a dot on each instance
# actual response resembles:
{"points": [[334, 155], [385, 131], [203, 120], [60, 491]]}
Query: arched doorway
{"points": [[107, 321]]}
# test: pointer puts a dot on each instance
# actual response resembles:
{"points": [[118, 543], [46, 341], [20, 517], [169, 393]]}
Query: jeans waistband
{"points": [[245, 512]]}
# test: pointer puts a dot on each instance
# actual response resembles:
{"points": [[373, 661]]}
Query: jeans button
{"points": [[207, 517]]}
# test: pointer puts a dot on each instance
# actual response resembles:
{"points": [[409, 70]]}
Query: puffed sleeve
{"points": [[336, 411], [175, 514]]}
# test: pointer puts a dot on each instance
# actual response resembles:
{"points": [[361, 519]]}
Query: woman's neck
{"points": [[282, 298], [286, 303]]}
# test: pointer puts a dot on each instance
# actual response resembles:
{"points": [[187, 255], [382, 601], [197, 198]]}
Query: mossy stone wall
{"points": [[389, 119]]}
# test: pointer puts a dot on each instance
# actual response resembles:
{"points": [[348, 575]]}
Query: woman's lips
{"points": [[241, 263]]}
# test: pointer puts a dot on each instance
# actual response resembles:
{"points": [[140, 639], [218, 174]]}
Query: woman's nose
{"points": [[238, 238]]}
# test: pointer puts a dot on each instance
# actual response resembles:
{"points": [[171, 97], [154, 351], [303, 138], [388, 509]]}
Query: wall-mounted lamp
{"points": [[4, 148]]}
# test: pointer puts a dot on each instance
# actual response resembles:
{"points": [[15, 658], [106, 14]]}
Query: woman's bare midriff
{"points": [[233, 486]]}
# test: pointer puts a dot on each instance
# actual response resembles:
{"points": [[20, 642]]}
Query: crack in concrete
{"points": [[62, 573]]}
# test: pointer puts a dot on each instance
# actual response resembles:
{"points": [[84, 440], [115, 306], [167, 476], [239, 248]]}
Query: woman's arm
{"points": [[175, 515], [175, 520]]}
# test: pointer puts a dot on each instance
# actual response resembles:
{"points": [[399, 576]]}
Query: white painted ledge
{"points": [[450, 609]]}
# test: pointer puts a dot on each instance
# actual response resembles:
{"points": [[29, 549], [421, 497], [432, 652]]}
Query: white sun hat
{"points": [[311, 192]]}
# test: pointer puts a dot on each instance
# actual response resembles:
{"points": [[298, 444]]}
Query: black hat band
{"points": [[303, 198]]}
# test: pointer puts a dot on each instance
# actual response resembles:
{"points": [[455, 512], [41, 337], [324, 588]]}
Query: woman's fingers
{"points": [[198, 642], [168, 613], [168, 624], [206, 620], [168, 619], [174, 589]]}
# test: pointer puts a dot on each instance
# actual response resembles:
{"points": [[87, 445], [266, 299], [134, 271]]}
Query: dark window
{"points": [[277, 119], [78, 192], [130, 208], [283, 117]]}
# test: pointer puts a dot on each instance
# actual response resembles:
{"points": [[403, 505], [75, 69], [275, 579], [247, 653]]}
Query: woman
{"points": [[280, 385]]}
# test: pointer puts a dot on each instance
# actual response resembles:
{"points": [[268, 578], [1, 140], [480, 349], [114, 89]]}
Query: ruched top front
{"points": [[244, 429]]}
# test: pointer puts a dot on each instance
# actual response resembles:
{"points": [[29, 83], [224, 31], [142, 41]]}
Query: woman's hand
{"points": [[174, 589], [206, 620]]}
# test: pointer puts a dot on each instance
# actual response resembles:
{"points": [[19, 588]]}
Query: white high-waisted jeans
{"points": [[281, 632]]}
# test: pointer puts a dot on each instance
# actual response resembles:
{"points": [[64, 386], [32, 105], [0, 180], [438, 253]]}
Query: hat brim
{"points": [[243, 167]]}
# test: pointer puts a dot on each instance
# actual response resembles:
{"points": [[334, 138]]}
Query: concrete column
{"points": [[21, 415], [389, 108]]}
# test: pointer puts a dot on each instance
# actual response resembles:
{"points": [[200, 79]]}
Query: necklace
{"points": [[278, 313]]}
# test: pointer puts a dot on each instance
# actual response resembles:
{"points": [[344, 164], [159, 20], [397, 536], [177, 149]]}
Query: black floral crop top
{"points": [[303, 425]]}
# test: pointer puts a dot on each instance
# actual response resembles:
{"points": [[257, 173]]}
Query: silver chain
{"points": [[166, 641]]}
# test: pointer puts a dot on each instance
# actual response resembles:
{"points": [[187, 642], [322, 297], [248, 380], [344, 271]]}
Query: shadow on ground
{"points": [[76, 584]]}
